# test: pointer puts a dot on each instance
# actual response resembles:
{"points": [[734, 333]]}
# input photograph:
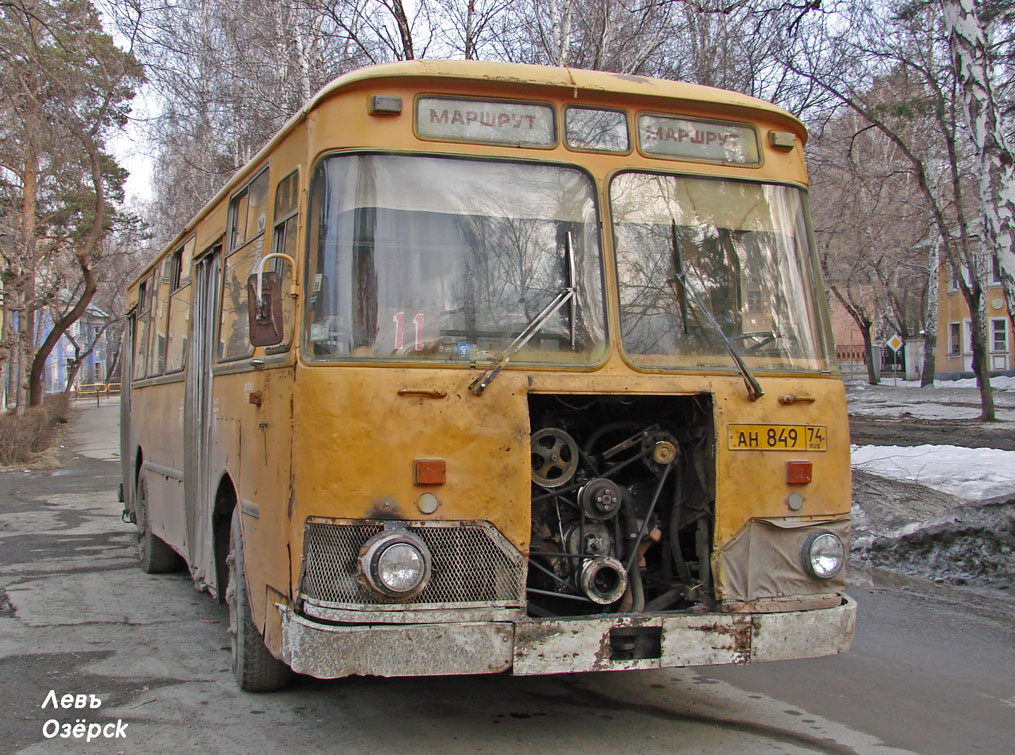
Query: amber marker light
{"points": [[381, 105], [798, 472], [782, 139], [429, 472]]}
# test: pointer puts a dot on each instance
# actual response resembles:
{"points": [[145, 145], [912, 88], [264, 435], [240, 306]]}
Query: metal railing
{"points": [[98, 390]]}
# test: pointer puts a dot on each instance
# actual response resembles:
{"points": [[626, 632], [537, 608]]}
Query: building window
{"points": [[954, 337], [999, 335], [752, 300], [953, 279], [995, 271]]}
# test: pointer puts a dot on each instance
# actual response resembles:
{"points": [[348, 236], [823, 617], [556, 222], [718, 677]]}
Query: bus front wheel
{"points": [[255, 669], [153, 554]]}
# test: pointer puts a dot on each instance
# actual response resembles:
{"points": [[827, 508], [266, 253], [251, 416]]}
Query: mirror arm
{"points": [[260, 272]]}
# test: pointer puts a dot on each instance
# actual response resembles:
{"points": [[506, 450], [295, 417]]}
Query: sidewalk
{"points": [[94, 431]]}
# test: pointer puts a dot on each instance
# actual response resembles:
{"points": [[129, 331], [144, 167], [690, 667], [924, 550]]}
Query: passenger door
{"points": [[197, 416]]}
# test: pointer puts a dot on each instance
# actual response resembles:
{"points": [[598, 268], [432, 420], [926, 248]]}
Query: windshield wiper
{"points": [[566, 294], [754, 391]]}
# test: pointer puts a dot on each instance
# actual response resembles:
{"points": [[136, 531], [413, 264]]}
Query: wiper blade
{"points": [[754, 390], [565, 295]]}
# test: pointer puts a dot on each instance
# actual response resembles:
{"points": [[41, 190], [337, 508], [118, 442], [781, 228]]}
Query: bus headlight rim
{"points": [[823, 555], [395, 565]]}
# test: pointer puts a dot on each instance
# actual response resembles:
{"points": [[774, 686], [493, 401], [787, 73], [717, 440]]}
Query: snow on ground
{"points": [[970, 473], [938, 511], [947, 400], [997, 383]]}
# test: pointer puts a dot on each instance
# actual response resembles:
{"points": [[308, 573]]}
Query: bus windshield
{"points": [[740, 249], [448, 260]]}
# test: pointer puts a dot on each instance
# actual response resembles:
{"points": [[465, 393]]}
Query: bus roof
{"points": [[509, 73], [575, 78]]}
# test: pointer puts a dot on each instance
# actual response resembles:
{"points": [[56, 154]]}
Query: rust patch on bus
{"points": [[604, 656], [740, 633], [385, 508]]}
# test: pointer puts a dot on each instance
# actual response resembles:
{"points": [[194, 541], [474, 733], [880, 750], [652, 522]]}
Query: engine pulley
{"points": [[592, 540], [603, 580], [554, 457], [661, 450], [600, 498]]}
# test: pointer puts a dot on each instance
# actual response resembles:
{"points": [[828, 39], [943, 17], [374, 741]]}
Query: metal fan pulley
{"points": [[554, 457]]}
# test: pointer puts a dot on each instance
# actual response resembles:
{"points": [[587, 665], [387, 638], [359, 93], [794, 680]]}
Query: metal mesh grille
{"points": [[469, 566]]}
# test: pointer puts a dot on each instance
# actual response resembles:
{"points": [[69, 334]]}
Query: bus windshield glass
{"points": [[448, 260], [739, 249]]}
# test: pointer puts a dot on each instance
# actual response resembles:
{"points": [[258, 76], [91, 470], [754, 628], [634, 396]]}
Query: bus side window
{"points": [[160, 318], [286, 223], [141, 331], [233, 338], [179, 308], [247, 217]]}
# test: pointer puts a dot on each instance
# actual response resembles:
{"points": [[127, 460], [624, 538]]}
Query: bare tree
{"points": [[873, 230], [226, 76], [889, 64], [64, 89], [468, 27]]}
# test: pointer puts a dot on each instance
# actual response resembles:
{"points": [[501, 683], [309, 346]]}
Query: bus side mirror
{"points": [[264, 309]]}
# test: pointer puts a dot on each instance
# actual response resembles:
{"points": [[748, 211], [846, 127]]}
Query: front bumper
{"points": [[552, 646]]}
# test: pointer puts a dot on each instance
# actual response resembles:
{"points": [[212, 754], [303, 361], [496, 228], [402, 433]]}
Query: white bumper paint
{"points": [[551, 646]]}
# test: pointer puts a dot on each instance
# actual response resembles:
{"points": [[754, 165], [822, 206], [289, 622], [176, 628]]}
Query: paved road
{"points": [[931, 670]]}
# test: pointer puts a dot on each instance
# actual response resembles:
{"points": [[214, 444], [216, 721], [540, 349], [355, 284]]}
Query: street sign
{"points": [[894, 343]]}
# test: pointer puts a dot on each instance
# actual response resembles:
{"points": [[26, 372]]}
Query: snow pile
{"points": [[942, 512], [915, 530], [970, 473], [976, 546]]}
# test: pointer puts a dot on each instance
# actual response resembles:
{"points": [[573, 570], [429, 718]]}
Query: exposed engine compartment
{"points": [[623, 502]]}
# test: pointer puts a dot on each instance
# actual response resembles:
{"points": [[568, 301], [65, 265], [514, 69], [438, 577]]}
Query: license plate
{"points": [[777, 437]]}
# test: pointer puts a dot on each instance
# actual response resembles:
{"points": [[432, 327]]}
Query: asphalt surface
{"points": [[931, 669]]}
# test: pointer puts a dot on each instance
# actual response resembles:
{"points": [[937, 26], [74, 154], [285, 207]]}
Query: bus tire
{"points": [[153, 554], [255, 668]]}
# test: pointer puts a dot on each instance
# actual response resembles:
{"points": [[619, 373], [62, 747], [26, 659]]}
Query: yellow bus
{"points": [[479, 368]]}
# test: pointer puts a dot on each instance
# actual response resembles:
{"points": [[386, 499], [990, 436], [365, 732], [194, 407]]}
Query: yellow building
{"points": [[954, 330]]}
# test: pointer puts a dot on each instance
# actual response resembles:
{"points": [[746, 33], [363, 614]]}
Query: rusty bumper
{"points": [[552, 646]]}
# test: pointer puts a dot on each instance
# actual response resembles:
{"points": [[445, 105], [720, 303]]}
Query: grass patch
{"points": [[27, 436]]}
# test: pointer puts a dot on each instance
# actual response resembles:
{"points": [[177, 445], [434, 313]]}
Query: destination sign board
{"points": [[692, 139], [486, 122]]}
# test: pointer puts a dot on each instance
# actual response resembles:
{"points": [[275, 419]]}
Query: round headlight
{"points": [[400, 567], [823, 555], [395, 564]]}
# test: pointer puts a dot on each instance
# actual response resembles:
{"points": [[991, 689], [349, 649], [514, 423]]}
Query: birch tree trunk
{"points": [[995, 163], [930, 319]]}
